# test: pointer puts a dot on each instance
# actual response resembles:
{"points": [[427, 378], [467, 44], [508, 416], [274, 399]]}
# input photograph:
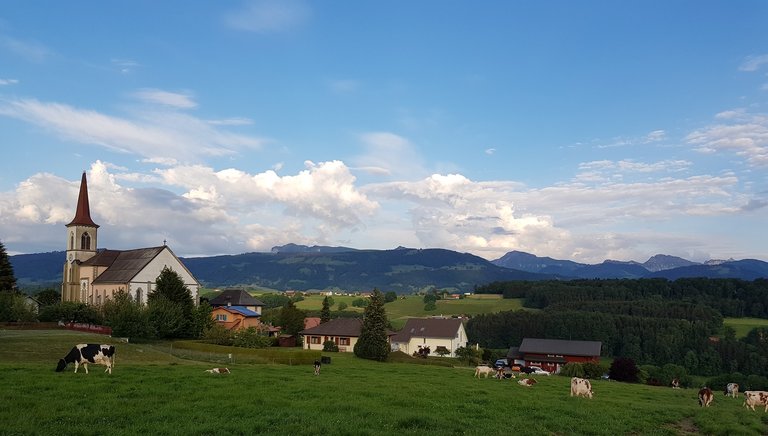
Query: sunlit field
{"points": [[151, 392], [742, 326]]}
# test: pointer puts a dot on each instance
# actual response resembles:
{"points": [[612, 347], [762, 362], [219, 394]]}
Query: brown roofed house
{"points": [[421, 333]]}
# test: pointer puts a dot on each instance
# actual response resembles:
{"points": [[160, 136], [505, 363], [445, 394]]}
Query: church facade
{"points": [[93, 276]]}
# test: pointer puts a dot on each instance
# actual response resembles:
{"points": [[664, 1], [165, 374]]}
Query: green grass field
{"points": [[152, 392], [412, 306], [742, 326]]}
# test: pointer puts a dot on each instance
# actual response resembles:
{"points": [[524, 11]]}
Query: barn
{"points": [[552, 354]]}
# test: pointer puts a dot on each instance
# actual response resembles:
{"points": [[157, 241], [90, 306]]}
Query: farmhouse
{"points": [[344, 332], [237, 297], [93, 276], [421, 333], [552, 354]]}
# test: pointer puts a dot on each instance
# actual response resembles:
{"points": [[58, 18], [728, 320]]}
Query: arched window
{"points": [[85, 241], [139, 295], [71, 240]]}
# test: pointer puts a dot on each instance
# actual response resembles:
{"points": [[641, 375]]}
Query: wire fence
{"points": [[246, 356]]}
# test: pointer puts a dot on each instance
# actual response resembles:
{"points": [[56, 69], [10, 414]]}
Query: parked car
{"points": [[501, 363], [534, 370]]}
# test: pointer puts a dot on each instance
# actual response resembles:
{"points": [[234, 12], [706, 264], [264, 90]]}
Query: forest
{"points": [[653, 321]]}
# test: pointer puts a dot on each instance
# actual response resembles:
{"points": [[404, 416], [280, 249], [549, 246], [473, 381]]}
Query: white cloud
{"points": [[173, 99], [746, 135], [490, 151], [753, 63], [269, 16], [231, 122], [125, 66], [655, 136], [157, 134], [4, 82], [390, 154]]}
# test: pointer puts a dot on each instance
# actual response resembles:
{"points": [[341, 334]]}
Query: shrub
{"points": [[572, 369], [218, 334], [624, 369], [251, 337], [330, 346], [594, 370], [469, 355]]}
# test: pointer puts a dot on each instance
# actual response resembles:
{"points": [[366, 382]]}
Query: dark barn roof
{"points": [[560, 347]]}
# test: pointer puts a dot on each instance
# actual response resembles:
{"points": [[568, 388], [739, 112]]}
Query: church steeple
{"points": [[83, 212]]}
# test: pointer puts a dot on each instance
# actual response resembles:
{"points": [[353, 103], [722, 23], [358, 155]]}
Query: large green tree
{"points": [[7, 279], [171, 307], [291, 319], [373, 343], [325, 312]]}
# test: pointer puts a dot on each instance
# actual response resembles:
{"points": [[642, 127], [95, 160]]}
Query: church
{"points": [[93, 276]]}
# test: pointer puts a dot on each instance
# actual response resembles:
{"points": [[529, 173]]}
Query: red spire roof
{"points": [[83, 213]]}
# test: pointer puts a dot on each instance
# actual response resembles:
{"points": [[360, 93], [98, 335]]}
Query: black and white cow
{"points": [[83, 354]]}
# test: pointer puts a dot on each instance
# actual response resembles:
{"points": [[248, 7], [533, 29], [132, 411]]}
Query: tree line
{"points": [[652, 321]]}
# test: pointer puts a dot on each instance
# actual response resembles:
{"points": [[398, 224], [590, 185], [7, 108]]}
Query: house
{"points": [[311, 321], [552, 354], [419, 333], [236, 317], [342, 331], [237, 297], [93, 276]]}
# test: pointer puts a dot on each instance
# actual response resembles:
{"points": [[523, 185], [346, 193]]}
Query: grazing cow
{"points": [[756, 398], [732, 389], [83, 354], [581, 387], [218, 371], [705, 397], [527, 382], [675, 383], [483, 370], [317, 367]]}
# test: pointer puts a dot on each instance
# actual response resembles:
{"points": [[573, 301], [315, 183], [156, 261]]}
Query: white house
{"points": [[420, 333]]}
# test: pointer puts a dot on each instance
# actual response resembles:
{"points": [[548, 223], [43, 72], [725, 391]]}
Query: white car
{"points": [[538, 371]]}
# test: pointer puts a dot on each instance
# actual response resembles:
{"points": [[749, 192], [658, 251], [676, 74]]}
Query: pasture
{"points": [[742, 326], [152, 392]]}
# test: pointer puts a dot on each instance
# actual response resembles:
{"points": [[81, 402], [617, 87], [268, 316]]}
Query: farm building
{"points": [[552, 354], [422, 333]]}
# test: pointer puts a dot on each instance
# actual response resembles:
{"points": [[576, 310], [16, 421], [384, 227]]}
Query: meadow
{"points": [[154, 392], [412, 306], [742, 326]]}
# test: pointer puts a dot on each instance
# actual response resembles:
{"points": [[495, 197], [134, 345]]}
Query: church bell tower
{"points": [[81, 245]]}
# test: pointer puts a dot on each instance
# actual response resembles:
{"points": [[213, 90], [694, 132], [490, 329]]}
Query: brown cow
{"points": [[581, 387], [705, 397], [732, 389], [218, 371], [756, 398], [527, 382]]}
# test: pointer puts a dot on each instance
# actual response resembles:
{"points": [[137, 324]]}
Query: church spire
{"points": [[83, 213]]}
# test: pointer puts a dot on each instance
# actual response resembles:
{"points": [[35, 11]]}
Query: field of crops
{"points": [[153, 392]]}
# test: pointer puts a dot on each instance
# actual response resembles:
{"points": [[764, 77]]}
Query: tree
{"points": [[291, 318], [325, 312], [47, 297], [342, 305], [430, 306], [624, 369], [7, 279], [171, 307], [126, 317], [390, 297], [373, 343]]}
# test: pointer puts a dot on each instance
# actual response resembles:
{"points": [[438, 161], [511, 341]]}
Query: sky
{"points": [[585, 130]]}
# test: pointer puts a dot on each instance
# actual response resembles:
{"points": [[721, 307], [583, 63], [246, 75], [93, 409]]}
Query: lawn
{"points": [[153, 393]]}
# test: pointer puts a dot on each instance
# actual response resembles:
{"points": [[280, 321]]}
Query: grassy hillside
{"points": [[413, 306], [149, 393], [744, 325]]}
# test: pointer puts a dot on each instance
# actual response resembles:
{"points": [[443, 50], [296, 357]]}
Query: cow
{"points": [[483, 370], [503, 372], [581, 387], [527, 382], [675, 383], [755, 398], [705, 397], [732, 389], [83, 354], [317, 367], [218, 371]]}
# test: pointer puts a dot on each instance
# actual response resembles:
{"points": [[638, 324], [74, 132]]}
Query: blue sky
{"points": [[576, 130]]}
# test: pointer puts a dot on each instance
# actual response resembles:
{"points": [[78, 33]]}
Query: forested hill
{"points": [[401, 270]]}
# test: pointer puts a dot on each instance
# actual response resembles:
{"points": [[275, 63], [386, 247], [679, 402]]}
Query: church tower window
{"points": [[85, 241]]}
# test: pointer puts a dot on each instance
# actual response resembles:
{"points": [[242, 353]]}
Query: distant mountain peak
{"points": [[296, 248], [713, 262], [663, 262]]}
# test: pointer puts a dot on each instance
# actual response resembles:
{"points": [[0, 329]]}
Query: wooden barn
{"points": [[552, 354]]}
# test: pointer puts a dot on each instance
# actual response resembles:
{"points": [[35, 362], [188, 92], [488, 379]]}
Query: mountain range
{"points": [[403, 270]]}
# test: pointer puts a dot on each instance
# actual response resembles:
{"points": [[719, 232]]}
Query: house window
{"points": [[222, 318], [314, 339], [343, 341], [85, 241]]}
